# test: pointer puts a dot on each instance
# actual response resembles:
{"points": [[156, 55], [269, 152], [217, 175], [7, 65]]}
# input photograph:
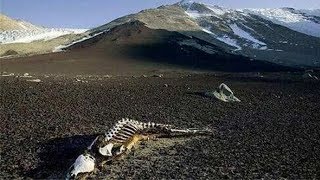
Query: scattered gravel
{"points": [[273, 133]]}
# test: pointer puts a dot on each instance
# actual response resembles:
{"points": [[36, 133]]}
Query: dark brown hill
{"points": [[133, 47]]}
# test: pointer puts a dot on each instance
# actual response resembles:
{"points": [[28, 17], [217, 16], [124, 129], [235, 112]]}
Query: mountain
{"points": [[133, 48], [200, 35], [297, 20], [19, 37], [284, 36], [17, 31], [311, 12], [8, 24]]}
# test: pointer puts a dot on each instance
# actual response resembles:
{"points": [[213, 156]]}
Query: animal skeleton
{"points": [[119, 141]]}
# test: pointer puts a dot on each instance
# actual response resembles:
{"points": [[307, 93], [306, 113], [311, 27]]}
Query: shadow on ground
{"points": [[58, 154], [201, 94]]}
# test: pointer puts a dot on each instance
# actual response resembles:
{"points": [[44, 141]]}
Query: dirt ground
{"points": [[272, 133]]}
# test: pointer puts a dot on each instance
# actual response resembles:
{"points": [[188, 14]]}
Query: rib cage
{"points": [[126, 128]]}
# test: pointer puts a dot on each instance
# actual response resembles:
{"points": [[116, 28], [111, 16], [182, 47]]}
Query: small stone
{"points": [[158, 75]]}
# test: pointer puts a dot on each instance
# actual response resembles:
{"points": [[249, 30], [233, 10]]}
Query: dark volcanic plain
{"points": [[272, 133]]}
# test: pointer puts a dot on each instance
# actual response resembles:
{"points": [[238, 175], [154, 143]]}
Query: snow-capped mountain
{"points": [[285, 36], [293, 19], [27, 36], [8, 24], [17, 31], [311, 12]]}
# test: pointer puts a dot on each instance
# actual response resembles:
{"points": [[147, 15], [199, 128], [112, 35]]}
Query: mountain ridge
{"points": [[20, 31], [243, 32], [133, 48], [8, 24], [236, 31], [26, 39]]}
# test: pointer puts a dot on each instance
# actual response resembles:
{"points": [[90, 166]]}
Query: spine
{"points": [[127, 127]]}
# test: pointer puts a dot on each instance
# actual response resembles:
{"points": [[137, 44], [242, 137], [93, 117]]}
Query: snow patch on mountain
{"points": [[303, 21], [280, 15], [225, 39], [242, 33], [295, 21], [29, 35], [207, 31], [228, 18], [61, 47], [186, 2], [218, 10], [193, 43], [23, 25], [19, 31], [196, 14], [311, 12]]}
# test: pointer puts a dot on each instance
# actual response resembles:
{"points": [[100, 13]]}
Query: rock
{"points": [[158, 75], [223, 93], [26, 75], [34, 80], [5, 74]]}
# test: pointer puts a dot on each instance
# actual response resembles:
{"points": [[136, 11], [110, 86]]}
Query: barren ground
{"points": [[272, 133]]}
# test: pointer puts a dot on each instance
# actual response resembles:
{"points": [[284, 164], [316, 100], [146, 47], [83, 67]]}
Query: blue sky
{"points": [[91, 13]]}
